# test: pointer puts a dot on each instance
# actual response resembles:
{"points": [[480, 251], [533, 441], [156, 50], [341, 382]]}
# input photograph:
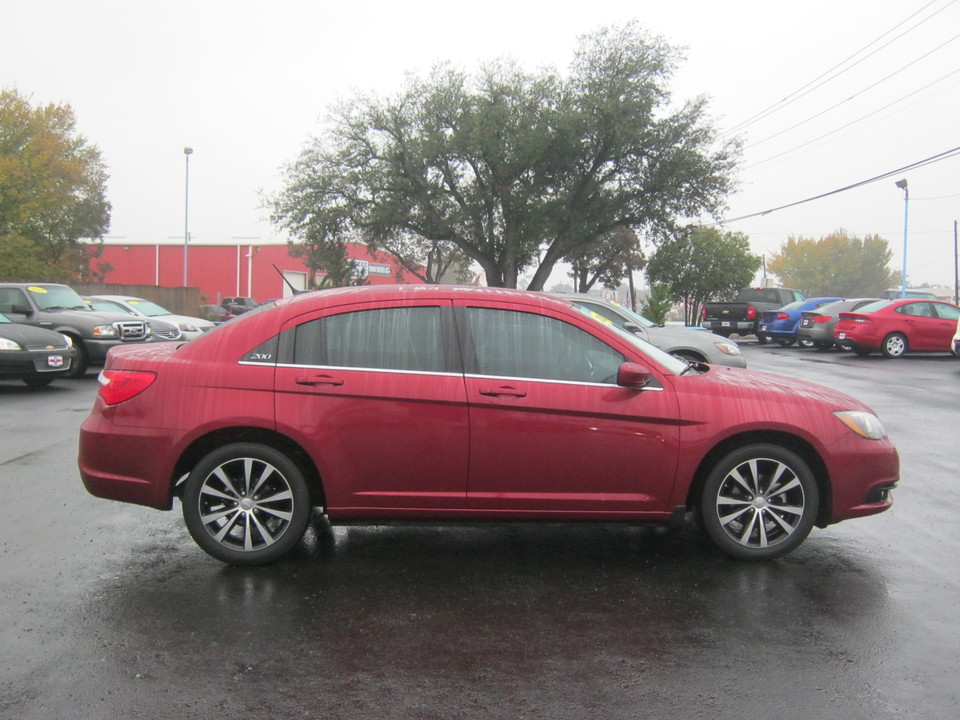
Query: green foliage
{"points": [[607, 261], [332, 263], [658, 305], [837, 264], [511, 169], [52, 192], [700, 263]]}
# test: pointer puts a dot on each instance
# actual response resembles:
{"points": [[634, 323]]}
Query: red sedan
{"points": [[898, 326], [432, 403]]}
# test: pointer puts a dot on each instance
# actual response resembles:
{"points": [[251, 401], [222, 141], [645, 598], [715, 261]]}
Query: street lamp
{"points": [[902, 184], [187, 152]]}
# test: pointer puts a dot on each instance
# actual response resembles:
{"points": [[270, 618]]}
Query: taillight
{"points": [[751, 312], [117, 386], [782, 316], [821, 318]]}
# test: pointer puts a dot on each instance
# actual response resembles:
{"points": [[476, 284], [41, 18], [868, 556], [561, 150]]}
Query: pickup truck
{"points": [[60, 308], [740, 317]]}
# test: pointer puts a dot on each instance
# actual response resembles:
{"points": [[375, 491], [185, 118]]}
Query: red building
{"points": [[241, 270]]}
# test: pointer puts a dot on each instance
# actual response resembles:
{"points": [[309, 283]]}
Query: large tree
{"points": [[52, 192], [701, 263], [511, 169], [836, 264]]}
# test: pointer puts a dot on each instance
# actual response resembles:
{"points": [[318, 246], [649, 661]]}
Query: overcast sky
{"points": [[858, 89]]}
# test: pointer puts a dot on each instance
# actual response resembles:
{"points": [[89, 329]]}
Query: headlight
{"points": [[68, 340], [728, 348], [862, 423], [105, 331], [187, 327], [6, 344]]}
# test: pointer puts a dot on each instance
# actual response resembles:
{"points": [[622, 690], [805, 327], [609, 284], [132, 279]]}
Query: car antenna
{"points": [[287, 280]]}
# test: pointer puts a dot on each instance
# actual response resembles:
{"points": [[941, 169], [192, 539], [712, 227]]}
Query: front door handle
{"points": [[503, 391], [318, 380]]}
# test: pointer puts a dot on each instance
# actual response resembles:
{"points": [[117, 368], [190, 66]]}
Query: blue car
{"points": [[781, 325]]}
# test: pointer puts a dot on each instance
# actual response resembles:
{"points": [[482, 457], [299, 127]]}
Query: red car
{"points": [[419, 403], [898, 326]]}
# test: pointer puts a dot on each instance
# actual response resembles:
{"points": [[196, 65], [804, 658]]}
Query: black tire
{"points": [[81, 362], [759, 482], [894, 345], [721, 333], [688, 356], [823, 346], [246, 504], [785, 342], [806, 343], [763, 339]]}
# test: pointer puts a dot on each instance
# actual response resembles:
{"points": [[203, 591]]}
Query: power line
{"points": [[835, 71], [954, 152]]}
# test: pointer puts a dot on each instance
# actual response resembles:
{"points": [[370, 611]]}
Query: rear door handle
{"points": [[318, 380], [503, 391]]}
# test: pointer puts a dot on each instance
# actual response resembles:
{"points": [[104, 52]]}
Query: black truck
{"points": [[741, 315], [60, 308]]}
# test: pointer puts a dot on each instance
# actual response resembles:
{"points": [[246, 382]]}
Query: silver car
{"points": [[190, 327], [698, 345]]}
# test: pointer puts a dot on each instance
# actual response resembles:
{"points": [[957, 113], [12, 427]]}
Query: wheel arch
{"points": [[795, 444], [226, 436]]}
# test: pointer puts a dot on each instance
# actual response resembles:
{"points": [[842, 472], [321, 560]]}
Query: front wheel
{"points": [[80, 363], [894, 345], [759, 502], [246, 504]]}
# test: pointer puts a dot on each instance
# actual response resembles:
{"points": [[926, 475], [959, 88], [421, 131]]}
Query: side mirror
{"points": [[632, 375], [22, 309], [632, 327]]}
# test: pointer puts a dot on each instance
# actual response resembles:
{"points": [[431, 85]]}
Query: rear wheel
{"points": [[759, 502], [894, 345], [246, 504], [823, 346], [785, 342], [763, 339]]}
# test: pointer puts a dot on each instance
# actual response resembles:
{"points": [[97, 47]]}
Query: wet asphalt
{"points": [[110, 611]]}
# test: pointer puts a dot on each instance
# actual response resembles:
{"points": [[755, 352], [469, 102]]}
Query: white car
{"points": [[190, 327], [697, 345]]}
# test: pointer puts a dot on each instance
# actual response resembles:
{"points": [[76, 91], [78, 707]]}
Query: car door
{"points": [[550, 431], [925, 329], [376, 395]]}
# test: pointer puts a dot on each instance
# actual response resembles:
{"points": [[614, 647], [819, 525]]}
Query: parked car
{"points": [[742, 315], [781, 325], [58, 307], [896, 327], [696, 345], [816, 326], [434, 403], [190, 327], [161, 330], [955, 343], [36, 356], [238, 305]]}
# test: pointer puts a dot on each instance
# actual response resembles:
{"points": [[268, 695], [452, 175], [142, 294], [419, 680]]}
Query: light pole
{"points": [[187, 152], [902, 184]]}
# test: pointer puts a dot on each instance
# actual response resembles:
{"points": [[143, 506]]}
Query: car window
{"points": [[874, 306], [386, 339], [508, 343], [917, 309], [9, 297], [794, 305], [947, 312]]}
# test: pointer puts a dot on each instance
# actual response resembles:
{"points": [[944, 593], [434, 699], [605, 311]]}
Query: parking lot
{"points": [[111, 611]]}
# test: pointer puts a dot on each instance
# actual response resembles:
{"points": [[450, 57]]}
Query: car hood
{"points": [[773, 389], [685, 336], [28, 335]]}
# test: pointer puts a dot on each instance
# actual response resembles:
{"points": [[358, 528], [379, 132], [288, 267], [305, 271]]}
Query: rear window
{"points": [[874, 306]]}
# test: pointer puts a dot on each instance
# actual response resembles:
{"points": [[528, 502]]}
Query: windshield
{"points": [[794, 305], [674, 365], [150, 309], [56, 297], [4, 318]]}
